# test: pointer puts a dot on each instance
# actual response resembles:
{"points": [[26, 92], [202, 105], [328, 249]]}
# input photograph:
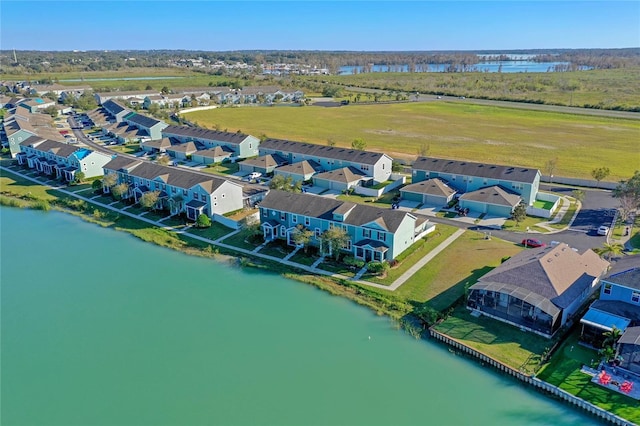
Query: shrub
{"points": [[203, 221], [352, 261], [377, 267]]}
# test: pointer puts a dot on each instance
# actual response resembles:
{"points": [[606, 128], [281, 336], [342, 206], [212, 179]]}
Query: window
{"points": [[215, 198], [184, 192], [381, 236], [366, 233], [635, 296], [265, 212], [294, 218], [607, 289], [347, 246], [222, 195], [283, 216], [196, 196], [307, 221], [282, 231], [317, 233], [174, 190]]}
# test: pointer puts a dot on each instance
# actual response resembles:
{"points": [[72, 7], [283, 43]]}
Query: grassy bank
{"points": [[499, 135]]}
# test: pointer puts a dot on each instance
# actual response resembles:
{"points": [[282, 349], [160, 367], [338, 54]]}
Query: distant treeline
{"points": [[42, 61]]}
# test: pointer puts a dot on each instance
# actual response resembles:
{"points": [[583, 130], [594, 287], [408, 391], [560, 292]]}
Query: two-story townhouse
{"points": [[374, 233], [372, 164], [618, 304], [243, 146], [151, 126], [60, 159], [136, 95], [37, 104], [21, 124], [117, 111], [487, 188], [539, 290], [180, 190]]}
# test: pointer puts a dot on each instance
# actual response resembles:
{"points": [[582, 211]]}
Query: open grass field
{"points": [[615, 88], [452, 130]]}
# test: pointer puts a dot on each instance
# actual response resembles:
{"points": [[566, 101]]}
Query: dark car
{"points": [[531, 242]]}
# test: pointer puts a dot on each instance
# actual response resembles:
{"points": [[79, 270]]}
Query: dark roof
{"points": [[493, 195], [556, 273], [47, 145], [217, 151], [323, 208], [631, 336], [174, 176], [206, 134], [301, 167], [113, 107], [343, 175], [142, 120], [435, 186], [322, 151], [619, 308], [187, 147], [266, 161], [625, 272], [468, 168]]}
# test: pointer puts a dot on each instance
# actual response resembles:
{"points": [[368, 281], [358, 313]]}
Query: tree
{"points": [[203, 221], [550, 167], [163, 160], [96, 185], [611, 250], [578, 194], [331, 142], [51, 110], [149, 199], [165, 90], [424, 149], [119, 190], [285, 184], [611, 337], [628, 194], [519, 213], [79, 176], [109, 180], [600, 173], [359, 144], [607, 353], [396, 167], [333, 240], [302, 237], [148, 87]]}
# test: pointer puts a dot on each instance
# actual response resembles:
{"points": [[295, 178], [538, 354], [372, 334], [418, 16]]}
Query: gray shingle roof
{"points": [[301, 167], [46, 145], [322, 151], [266, 161], [113, 107], [206, 134], [631, 336], [142, 120], [323, 208], [556, 273], [343, 175], [625, 272], [493, 195], [435, 186], [468, 168]]}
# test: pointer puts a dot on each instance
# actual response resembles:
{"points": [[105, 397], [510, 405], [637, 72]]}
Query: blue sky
{"points": [[323, 25]]}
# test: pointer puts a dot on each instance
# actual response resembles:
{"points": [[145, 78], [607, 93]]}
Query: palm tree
{"points": [[611, 250], [611, 337]]}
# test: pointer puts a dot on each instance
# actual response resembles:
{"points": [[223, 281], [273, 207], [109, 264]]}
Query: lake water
{"points": [[100, 328], [507, 67]]}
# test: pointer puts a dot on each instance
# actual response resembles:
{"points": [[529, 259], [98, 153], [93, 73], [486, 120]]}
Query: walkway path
{"points": [[219, 242], [420, 263]]}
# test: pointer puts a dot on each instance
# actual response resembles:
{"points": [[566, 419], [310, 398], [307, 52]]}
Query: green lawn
{"points": [[546, 205], [567, 216], [130, 148], [416, 252], [518, 349], [563, 371], [442, 281], [499, 135], [303, 259], [337, 268], [529, 222], [238, 240], [215, 231], [276, 249], [222, 168]]}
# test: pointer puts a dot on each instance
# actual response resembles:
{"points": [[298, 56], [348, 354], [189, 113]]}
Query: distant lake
{"points": [[117, 78], [100, 328], [493, 66]]}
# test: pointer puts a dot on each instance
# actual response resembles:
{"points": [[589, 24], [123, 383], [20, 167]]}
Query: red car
{"points": [[530, 242]]}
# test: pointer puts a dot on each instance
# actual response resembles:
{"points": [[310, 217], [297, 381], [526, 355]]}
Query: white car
{"points": [[254, 175], [603, 230]]}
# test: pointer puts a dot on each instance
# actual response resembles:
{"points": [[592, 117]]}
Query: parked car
{"points": [[254, 175], [531, 242], [603, 230]]}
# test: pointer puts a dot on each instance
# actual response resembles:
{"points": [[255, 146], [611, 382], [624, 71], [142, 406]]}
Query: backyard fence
{"points": [[229, 223], [531, 380], [398, 180], [546, 213], [587, 183]]}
